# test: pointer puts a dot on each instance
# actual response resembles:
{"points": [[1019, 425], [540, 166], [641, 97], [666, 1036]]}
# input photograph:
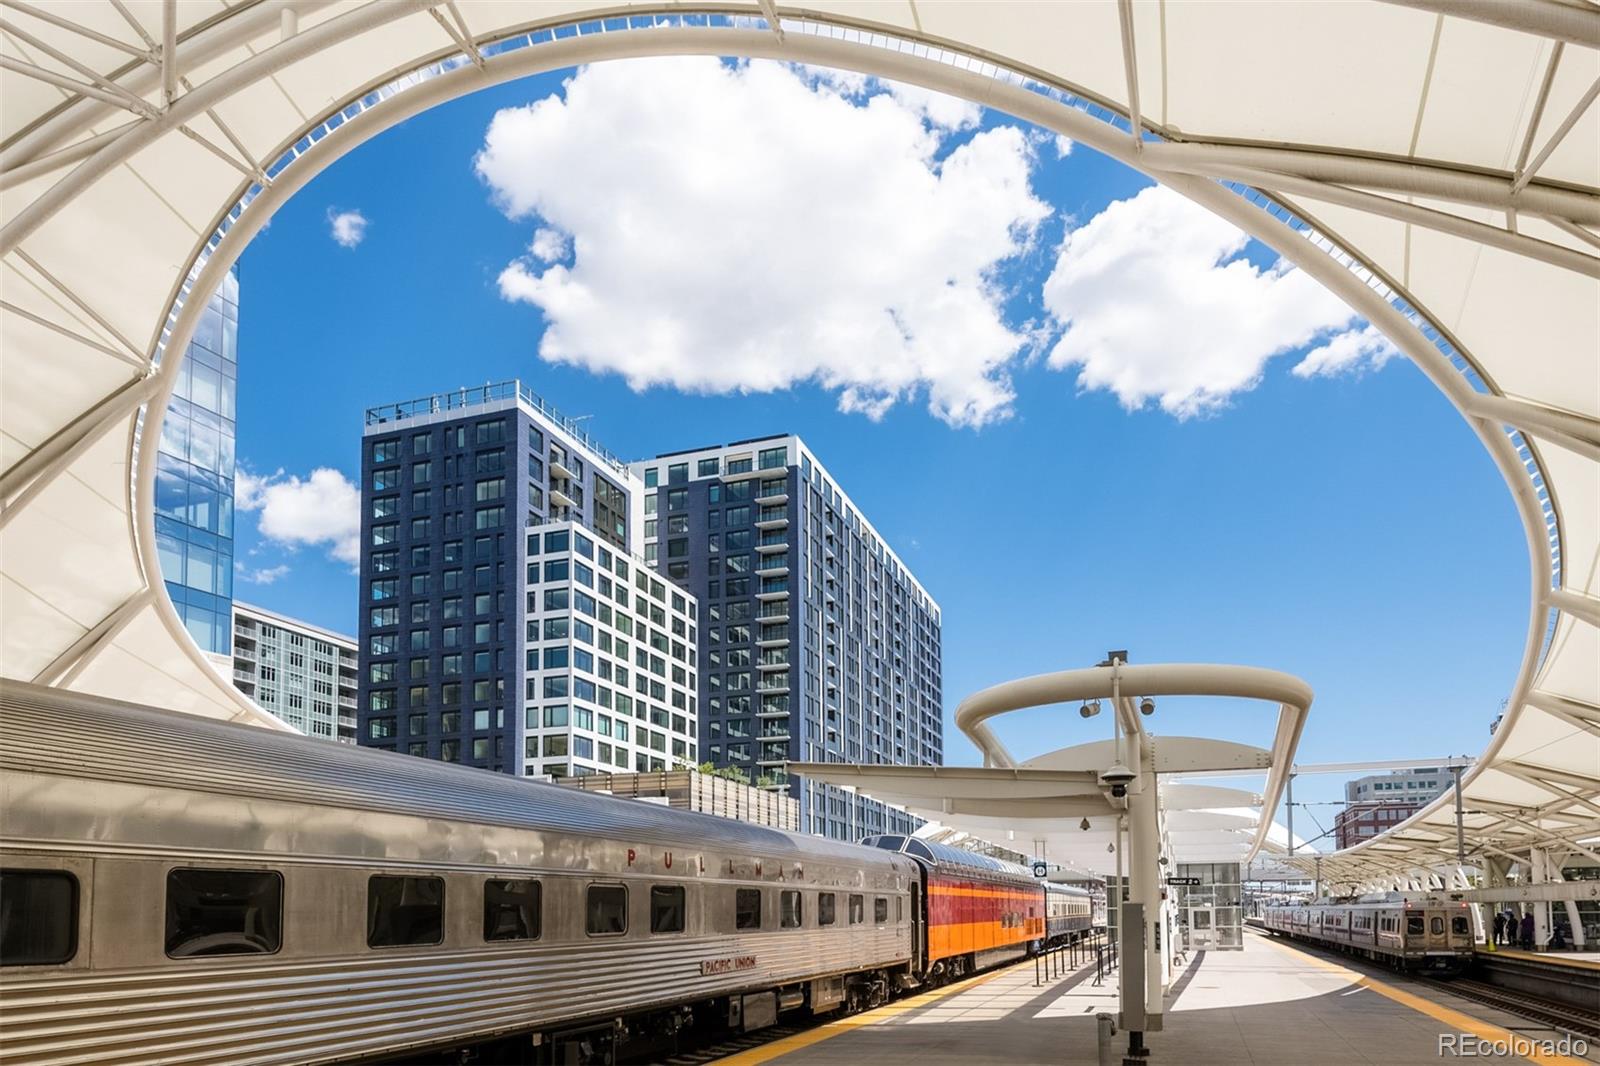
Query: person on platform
{"points": [[1527, 931], [1499, 929]]}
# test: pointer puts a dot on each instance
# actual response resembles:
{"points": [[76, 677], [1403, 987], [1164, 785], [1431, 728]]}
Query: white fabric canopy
{"points": [[1434, 164]]}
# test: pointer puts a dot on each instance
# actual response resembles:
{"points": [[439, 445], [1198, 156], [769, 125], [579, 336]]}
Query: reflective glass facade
{"points": [[194, 478]]}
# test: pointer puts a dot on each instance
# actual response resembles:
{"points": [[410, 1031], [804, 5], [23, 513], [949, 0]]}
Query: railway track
{"points": [[1570, 1019]]}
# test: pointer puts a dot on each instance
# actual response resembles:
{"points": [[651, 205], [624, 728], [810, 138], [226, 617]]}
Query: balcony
{"points": [[777, 565], [560, 469], [739, 470], [247, 677], [561, 499], [773, 637], [774, 611], [778, 661], [247, 654], [244, 633], [773, 590], [773, 683], [772, 518], [777, 708], [773, 496], [772, 543], [348, 702]]}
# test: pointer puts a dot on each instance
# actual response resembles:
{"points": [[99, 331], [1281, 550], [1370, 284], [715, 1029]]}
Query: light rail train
{"points": [[179, 890], [1407, 933]]}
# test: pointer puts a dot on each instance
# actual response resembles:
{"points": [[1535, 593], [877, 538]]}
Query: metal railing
{"points": [[462, 399]]}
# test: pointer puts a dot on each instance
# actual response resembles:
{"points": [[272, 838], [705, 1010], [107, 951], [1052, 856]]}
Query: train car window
{"points": [[607, 910], [790, 914], [880, 910], [1436, 926], [404, 910], [1413, 925], [858, 909], [666, 908], [224, 912], [747, 908], [38, 917], [827, 908], [511, 909], [1458, 925], [900, 910]]}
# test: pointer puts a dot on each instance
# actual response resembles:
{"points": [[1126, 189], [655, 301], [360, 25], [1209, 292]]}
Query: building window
{"points": [[709, 467]]}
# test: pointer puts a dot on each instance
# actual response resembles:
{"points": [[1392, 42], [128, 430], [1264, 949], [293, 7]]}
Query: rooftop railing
{"points": [[462, 399]]}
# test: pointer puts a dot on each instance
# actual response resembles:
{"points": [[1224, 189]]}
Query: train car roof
{"points": [[945, 855], [47, 731]]}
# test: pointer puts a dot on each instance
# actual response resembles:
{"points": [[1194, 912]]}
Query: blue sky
{"points": [[1126, 477]]}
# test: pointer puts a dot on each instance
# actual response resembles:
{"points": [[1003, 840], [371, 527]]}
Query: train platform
{"points": [[1583, 960], [1270, 1003]]}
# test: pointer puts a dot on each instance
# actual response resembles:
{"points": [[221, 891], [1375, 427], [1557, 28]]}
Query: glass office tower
{"points": [[816, 642], [194, 477], [504, 623]]}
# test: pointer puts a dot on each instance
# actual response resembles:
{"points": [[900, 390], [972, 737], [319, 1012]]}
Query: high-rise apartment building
{"points": [[1380, 801], [816, 642], [505, 621], [298, 672], [194, 477]]}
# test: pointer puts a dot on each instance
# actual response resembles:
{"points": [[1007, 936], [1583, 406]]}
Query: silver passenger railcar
{"points": [[1069, 913], [182, 890], [1409, 933]]}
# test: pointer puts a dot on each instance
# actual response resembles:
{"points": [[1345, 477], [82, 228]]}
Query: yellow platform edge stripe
{"points": [[1463, 1023], [829, 1030]]}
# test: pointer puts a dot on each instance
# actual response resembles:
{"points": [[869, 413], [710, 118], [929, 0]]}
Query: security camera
{"points": [[1117, 777], [1084, 825], [1162, 860], [1089, 709], [1147, 706]]}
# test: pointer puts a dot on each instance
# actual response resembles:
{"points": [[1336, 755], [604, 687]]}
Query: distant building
{"points": [[301, 673], [194, 477], [505, 621], [690, 790], [817, 642], [1378, 802]]}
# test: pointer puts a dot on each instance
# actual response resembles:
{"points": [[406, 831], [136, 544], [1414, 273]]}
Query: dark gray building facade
{"points": [[816, 642]]}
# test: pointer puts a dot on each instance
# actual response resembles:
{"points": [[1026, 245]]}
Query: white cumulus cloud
{"points": [[321, 510], [347, 228], [747, 227], [1352, 351], [549, 245], [1156, 303], [261, 575]]}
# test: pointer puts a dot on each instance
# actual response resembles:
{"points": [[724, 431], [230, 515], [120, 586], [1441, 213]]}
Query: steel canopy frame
{"points": [[470, 49]]}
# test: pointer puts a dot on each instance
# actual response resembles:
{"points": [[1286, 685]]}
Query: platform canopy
{"points": [[1433, 163]]}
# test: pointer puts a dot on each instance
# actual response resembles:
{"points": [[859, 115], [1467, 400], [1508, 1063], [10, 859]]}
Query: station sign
{"points": [[1040, 869], [1187, 882]]}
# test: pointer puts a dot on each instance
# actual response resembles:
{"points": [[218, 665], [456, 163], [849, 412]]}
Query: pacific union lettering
{"points": [[738, 962]]}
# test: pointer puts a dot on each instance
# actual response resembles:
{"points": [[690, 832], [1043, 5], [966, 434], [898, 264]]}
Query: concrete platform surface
{"points": [[1268, 1004], [1586, 960]]}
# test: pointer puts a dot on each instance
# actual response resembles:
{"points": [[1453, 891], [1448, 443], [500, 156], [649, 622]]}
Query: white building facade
{"points": [[610, 660], [300, 673]]}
